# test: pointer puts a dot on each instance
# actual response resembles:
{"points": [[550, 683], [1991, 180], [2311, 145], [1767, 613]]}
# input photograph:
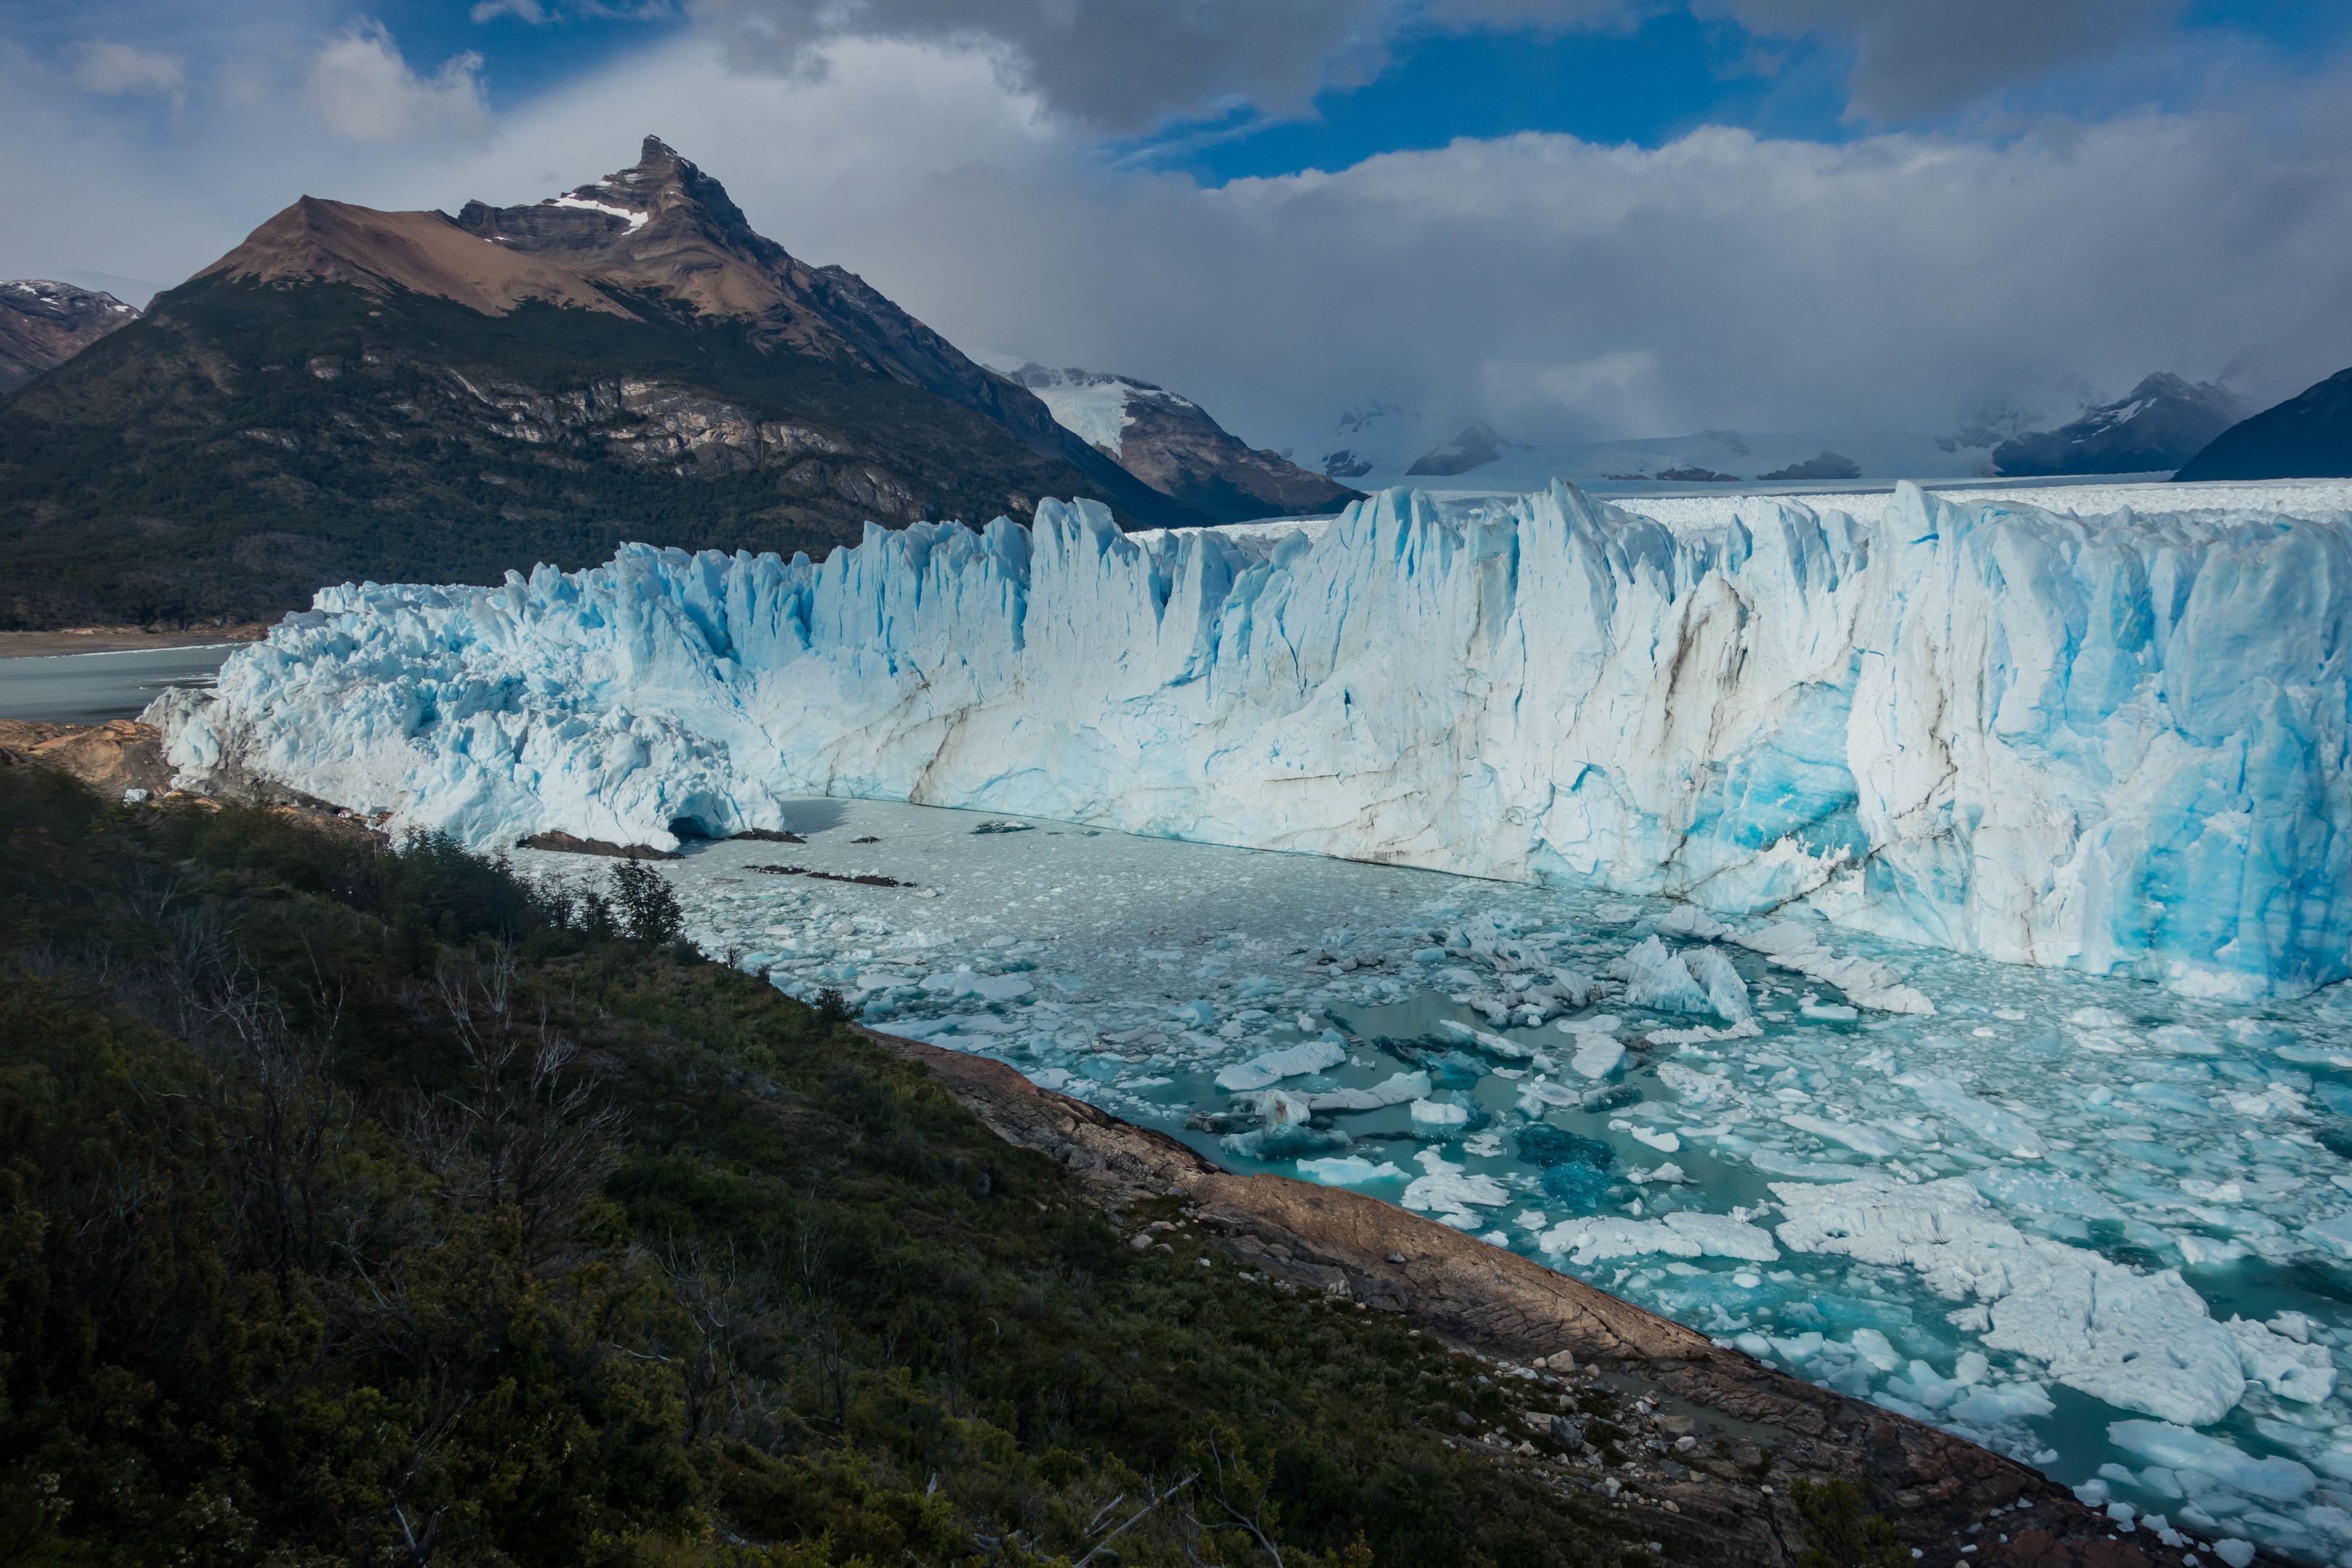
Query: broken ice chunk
{"points": [[2044, 1190], [1853, 1135], [1398, 1089], [1692, 1087], [1450, 1194], [1987, 1404], [1726, 992], [2206, 1252], [1348, 1171], [1308, 1056], [1689, 920], [2003, 1130], [1286, 1133], [2179, 1449], [1656, 978], [1720, 1235], [1438, 1116], [1772, 1163], [1597, 1056], [1865, 982], [1590, 1240], [2302, 1372], [1480, 1038], [2182, 1040], [1541, 1095], [2144, 1341], [987, 987]]}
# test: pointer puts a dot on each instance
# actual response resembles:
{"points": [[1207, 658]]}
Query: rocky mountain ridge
{"points": [[44, 323]]}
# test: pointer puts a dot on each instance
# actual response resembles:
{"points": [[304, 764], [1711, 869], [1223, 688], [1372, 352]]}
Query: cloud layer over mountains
{"points": [[1558, 289]]}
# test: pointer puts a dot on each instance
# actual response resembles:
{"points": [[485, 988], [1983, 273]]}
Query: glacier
{"points": [[2113, 744]]}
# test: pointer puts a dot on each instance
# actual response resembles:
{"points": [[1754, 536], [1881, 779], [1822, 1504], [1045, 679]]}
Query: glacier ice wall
{"points": [[2115, 743]]}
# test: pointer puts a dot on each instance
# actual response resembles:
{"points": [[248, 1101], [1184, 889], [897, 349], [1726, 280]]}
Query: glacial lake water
{"points": [[2099, 1175], [91, 687]]}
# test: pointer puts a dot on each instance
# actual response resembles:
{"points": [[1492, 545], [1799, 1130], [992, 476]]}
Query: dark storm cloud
{"points": [[1121, 65]]}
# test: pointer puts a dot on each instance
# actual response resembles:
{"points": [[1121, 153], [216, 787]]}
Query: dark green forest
{"points": [[246, 444], [362, 1204]]}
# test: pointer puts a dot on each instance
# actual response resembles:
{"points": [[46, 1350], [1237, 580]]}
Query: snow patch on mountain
{"points": [[1093, 404]]}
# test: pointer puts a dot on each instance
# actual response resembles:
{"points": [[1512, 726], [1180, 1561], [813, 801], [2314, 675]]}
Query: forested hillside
{"points": [[371, 1207]]}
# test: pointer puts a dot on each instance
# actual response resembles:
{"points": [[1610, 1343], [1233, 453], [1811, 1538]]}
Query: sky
{"points": [[1571, 219]]}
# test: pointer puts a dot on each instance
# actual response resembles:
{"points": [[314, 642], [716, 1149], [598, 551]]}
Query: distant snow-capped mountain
{"points": [[2157, 427], [1378, 444], [1171, 443]]}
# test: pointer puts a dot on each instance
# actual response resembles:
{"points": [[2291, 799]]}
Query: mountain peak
{"points": [[660, 228]]}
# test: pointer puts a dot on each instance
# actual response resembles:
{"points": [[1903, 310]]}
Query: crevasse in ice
{"points": [[2116, 745]]}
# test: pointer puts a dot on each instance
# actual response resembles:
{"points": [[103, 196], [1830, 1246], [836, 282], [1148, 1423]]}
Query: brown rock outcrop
{"points": [[110, 758]]}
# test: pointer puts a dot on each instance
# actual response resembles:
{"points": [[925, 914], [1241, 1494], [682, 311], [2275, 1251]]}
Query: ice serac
{"points": [[2114, 743]]}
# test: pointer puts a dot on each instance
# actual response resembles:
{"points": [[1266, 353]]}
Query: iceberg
{"points": [[2113, 744]]}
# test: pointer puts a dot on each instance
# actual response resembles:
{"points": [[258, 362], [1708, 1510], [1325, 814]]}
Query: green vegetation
{"points": [[244, 445], [363, 1206], [1846, 1531]]}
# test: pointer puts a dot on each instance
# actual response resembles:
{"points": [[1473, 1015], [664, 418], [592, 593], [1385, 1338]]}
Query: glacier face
{"points": [[2115, 743]]}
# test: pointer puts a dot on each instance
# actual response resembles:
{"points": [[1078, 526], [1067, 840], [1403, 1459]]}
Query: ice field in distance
{"points": [[2112, 742], [2093, 1224]]}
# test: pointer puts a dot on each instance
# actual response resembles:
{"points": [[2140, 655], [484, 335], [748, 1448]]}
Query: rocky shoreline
{"points": [[1754, 1433]]}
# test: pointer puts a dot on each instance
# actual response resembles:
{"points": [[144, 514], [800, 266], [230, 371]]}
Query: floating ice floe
{"points": [[1292, 1061], [1594, 1238], [1398, 1088], [2142, 1341], [1451, 1195], [1348, 1171], [1867, 982], [2178, 1449], [1597, 1056], [2004, 1130], [1439, 1116]]}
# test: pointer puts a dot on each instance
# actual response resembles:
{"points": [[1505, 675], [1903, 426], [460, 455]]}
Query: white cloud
{"points": [[1564, 290], [363, 91], [121, 71], [1620, 388], [528, 11]]}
